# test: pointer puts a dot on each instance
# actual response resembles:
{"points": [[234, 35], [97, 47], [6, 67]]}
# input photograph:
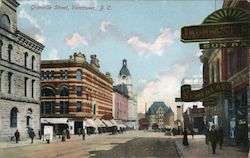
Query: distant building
{"points": [[180, 120], [194, 118], [125, 77], [75, 93], [160, 114], [19, 76], [120, 103]]}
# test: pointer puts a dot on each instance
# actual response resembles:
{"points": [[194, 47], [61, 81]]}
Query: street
{"points": [[131, 144]]}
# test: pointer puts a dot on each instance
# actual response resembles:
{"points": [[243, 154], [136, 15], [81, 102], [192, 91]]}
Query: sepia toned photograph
{"points": [[124, 78]]}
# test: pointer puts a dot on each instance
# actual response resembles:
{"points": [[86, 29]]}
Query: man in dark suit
{"points": [[213, 138]]}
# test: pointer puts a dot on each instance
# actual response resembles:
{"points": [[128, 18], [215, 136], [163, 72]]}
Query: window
{"points": [[28, 120], [9, 52], [13, 117], [25, 59], [32, 88], [231, 63], [5, 21], [10, 82], [64, 91], [79, 90], [240, 63], [1, 47], [42, 75], [33, 63], [218, 70], [64, 74], [78, 106], [48, 107], [47, 91], [212, 74], [25, 86], [52, 75], [64, 107], [79, 74]]}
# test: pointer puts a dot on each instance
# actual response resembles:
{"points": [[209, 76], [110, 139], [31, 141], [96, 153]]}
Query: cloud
{"points": [[157, 47], [104, 25], [51, 55], [76, 40], [166, 85], [33, 29]]}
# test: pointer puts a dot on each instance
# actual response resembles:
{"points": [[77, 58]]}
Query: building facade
{"points": [[120, 103], [75, 93], [125, 77], [160, 114], [19, 76]]}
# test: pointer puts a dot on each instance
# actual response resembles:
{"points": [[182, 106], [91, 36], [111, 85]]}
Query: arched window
{"points": [[5, 21], [47, 91], [28, 117], [64, 91], [10, 82], [79, 74], [33, 63], [9, 52], [13, 117], [25, 59]]}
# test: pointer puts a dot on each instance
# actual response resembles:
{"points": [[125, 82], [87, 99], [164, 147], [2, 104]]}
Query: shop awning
{"points": [[99, 123], [121, 126], [114, 123], [90, 123], [107, 123], [55, 120]]}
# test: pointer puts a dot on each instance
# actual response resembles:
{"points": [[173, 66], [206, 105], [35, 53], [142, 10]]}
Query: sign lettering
{"points": [[225, 45]]}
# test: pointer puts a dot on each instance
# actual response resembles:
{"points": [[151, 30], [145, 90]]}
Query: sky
{"points": [[145, 32]]}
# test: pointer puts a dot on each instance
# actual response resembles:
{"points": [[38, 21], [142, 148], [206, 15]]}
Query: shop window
{"points": [[13, 117]]}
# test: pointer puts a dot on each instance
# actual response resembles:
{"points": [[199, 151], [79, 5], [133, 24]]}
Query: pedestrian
{"points": [[17, 135], [220, 136], [192, 133], [213, 138], [63, 135], [83, 133], [32, 135], [185, 138], [206, 133], [40, 134], [67, 133]]}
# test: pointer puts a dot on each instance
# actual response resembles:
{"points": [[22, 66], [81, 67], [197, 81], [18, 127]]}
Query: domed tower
{"points": [[124, 77]]}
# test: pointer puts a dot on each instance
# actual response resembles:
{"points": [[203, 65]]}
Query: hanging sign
{"points": [[215, 32], [225, 45], [187, 95]]}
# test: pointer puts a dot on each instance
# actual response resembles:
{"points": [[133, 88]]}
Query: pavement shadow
{"points": [[139, 147]]}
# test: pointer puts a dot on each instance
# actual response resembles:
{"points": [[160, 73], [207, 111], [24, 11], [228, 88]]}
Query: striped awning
{"points": [[55, 120], [99, 123], [90, 123], [114, 123], [107, 123]]}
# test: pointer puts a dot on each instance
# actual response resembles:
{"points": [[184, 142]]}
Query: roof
{"points": [[124, 70], [156, 105], [122, 89]]}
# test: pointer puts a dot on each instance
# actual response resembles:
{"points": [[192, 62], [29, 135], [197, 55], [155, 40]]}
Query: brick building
{"points": [[75, 93], [19, 76]]}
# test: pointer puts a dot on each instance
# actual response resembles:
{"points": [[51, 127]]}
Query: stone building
{"points": [[75, 94], [19, 76], [125, 77], [160, 114]]}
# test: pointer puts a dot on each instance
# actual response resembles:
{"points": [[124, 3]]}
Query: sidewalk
{"points": [[199, 149]]}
